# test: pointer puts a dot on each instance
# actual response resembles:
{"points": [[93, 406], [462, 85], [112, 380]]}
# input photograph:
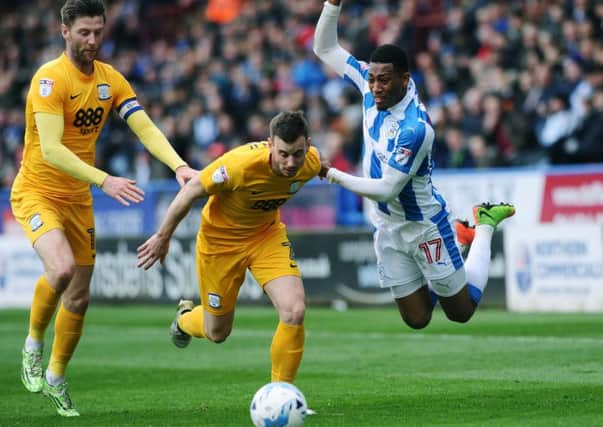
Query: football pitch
{"points": [[361, 367]]}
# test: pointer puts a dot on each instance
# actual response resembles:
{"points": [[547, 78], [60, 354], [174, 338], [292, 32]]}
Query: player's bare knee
{"points": [[218, 335], [76, 304], [417, 321], [76, 300], [293, 315], [217, 339], [61, 274], [459, 317]]}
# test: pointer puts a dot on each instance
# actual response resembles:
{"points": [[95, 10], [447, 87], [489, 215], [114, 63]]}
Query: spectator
{"points": [[584, 145], [559, 122], [483, 68], [457, 152]]}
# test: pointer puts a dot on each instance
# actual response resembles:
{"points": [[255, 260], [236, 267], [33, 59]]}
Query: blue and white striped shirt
{"points": [[402, 137]]}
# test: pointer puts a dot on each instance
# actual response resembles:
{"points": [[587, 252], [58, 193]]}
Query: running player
{"points": [[68, 103], [241, 229]]}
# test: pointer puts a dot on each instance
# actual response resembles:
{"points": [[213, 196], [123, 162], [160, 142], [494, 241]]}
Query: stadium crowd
{"points": [[505, 83]]}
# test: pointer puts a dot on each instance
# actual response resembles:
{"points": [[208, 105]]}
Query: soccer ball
{"points": [[278, 404]]}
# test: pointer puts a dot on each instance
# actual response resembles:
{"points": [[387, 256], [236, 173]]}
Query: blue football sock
{"points": [[475, 293]]}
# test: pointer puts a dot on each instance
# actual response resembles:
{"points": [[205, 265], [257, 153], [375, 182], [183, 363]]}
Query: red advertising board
{"points": [[573, 198]]}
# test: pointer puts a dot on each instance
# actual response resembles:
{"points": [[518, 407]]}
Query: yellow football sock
{"points": [[192, 322], [43, 306], [67, 332], [286, 351]]}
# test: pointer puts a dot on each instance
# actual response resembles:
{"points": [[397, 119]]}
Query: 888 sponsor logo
{"points": [[268, 205], [87, 120]]}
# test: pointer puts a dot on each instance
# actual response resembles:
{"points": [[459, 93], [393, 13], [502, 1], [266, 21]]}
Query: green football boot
{"points": [[492, 215], [31, 370], [60, 397]]}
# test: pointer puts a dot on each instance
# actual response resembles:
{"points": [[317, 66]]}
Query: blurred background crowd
{"points": [[506, 83]]}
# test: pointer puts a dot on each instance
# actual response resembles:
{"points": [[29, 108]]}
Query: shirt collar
{"points": [[411, 94]]}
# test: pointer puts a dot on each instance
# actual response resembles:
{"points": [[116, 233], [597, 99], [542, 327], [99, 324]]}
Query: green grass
{"points": [[361, 367]]}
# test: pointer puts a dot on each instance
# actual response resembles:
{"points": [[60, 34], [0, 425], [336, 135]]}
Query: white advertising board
{"points": [[20, 269], [554, 268], [463, 190]]}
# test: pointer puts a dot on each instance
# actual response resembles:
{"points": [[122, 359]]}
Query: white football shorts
{"points": [[411, 253]]}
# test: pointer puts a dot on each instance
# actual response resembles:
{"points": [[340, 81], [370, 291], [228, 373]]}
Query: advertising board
{"points": [[554, 268]]}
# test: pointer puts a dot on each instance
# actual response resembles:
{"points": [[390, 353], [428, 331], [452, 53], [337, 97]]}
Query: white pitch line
{"points": [[421, 336]]}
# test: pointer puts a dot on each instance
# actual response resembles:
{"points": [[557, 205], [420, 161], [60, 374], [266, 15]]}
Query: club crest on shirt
{"points": [[295, 185], [393, 130], [402, 155], [214, 300], [35, 222], [103, 91], [46, 87], [220, 175]]}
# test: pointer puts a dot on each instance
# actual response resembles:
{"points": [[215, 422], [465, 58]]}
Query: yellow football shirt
{"points": [[85, 102], [245, 193]]}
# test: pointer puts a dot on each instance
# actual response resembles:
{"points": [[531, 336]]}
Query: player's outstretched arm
{"points": [[381, 189], [326, 45], [157, 246], [158, 145], [50, 128]]}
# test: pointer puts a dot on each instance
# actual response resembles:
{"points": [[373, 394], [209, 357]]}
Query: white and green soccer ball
{"points": [[278, 404]]}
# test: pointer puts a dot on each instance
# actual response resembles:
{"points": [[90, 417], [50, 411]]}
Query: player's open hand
{"points": [[184, 174], [153, 250], [123, 190]]}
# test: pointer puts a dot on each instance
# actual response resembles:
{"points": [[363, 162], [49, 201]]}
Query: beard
{"points": [[82, 56]]}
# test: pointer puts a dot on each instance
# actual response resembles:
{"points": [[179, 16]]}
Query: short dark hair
{"points": [[73, 9], [289, 125], [391, 54]]}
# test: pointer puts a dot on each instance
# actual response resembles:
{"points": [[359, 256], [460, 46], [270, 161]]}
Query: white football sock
{"points": [[53, 379], [478, 259], [33, 345]]}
